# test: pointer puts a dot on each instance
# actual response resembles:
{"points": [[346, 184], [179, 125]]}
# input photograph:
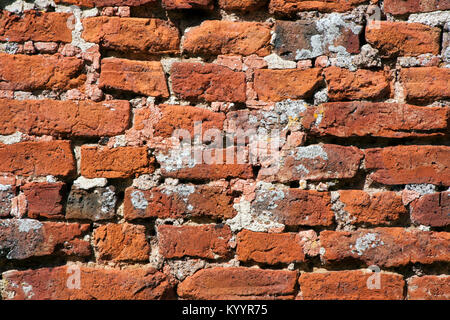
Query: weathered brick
{"points": [[269, 248], [403, 38], [35, 26], [121, 162], [96, 204], [203, 241], [372, 208], [95, 284], [37, 72], [188, 4], [175, 117], [432, 209], [143, 77], [350, 285], [25, 238], [210, 82], [53, 117], [294, 207], [390, 120], [238, 283], [316, 162], [277, 85], [425, 83], [121, 242], [216, 37], [242, 5], [291, 7], [389, 247], [138, 35], [7, 193], [44, 199], [37, 158], [344, 84], [180, 201], [106, 3], [413, 6], [409, 164], [297, 39], [429, 288]]}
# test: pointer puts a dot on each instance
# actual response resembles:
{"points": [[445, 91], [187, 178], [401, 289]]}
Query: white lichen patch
{"points": [[309, 152], [329, 30], [433, 19], [176, 159], [422, 189], [27, 290], [363, 243], [138, 200], [26, 225], [257, 215], [108, 200], [12, 138]]}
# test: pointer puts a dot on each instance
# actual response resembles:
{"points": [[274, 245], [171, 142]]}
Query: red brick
{"points": [[294, 207], [25, 238], [389, 247], [106, 3], [132, 35], [187, 4], [291, 7], [316, 162], [7, 194], [121, 162], [121, 242], [414, 6], [215, 37], [35, 26], [143, 77], [203, 241], [403, 38], [425, 84], [53, 117], [409, 164], [294, 37], [277, 85], [344, 84], [210, 82], [44, 199], [242, 5], [184, 117], [429, 288], [269, 248], [372, 208], [95, 284], [37, 72], [182, 201], [389, 120], [37, 158], [350, 285], [238, 283], [432, 209]]}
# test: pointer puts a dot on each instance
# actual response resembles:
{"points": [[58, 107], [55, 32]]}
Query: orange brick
{"points": [[35, 26], [53, 117], [121, 162], [143, 77]]}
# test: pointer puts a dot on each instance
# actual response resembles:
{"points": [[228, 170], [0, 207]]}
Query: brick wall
{"points": [[199, 149]]}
